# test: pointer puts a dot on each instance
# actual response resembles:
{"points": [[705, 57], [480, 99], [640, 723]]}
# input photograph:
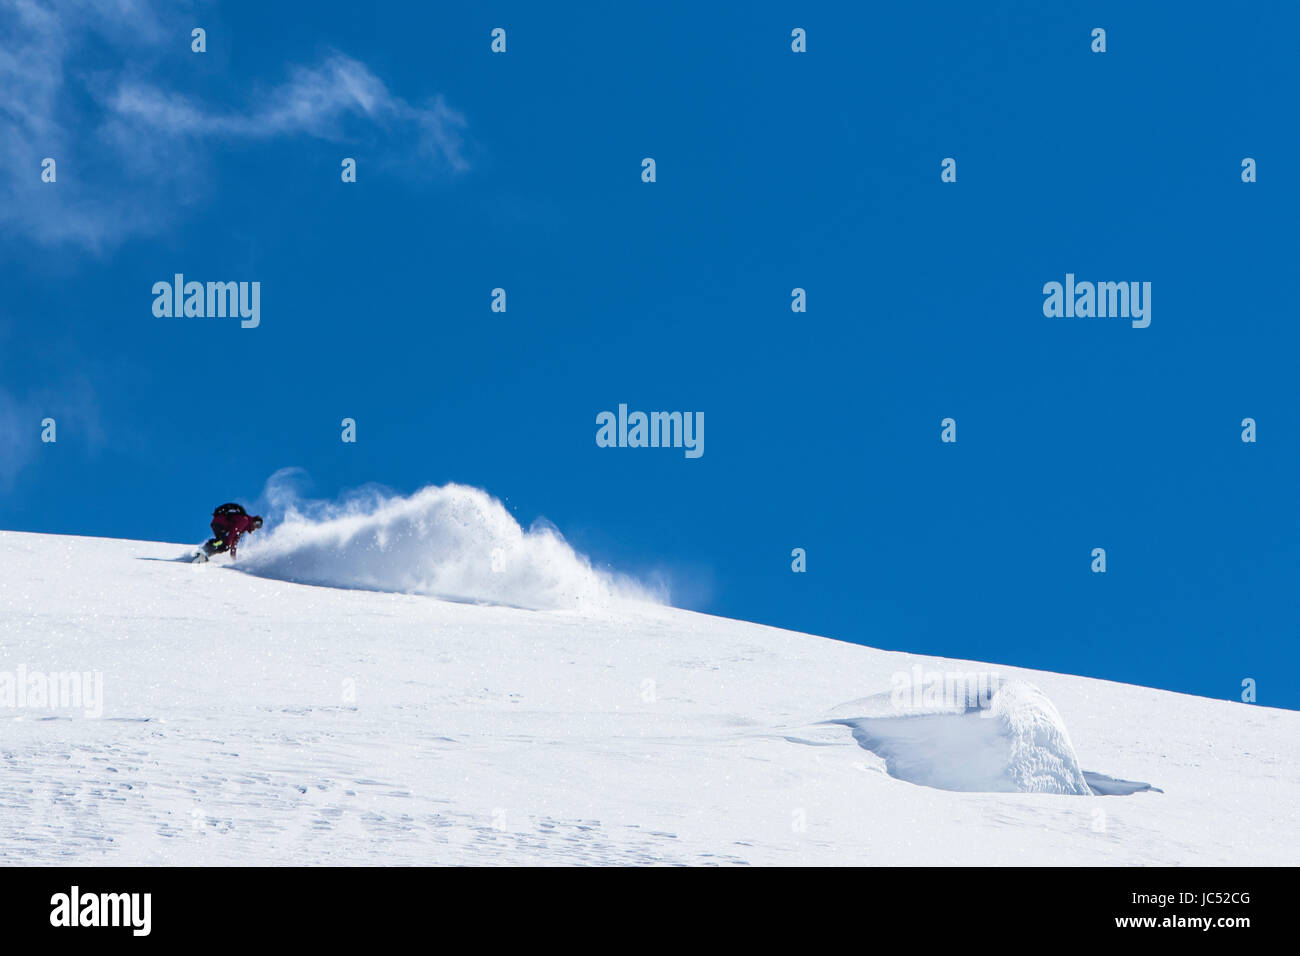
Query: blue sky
{"points": [[775, 170]]}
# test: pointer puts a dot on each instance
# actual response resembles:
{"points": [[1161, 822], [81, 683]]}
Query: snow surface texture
{"points": [[246, 719]]}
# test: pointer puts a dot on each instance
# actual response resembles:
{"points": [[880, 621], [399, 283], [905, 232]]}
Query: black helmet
{"points": [[257, 522]]}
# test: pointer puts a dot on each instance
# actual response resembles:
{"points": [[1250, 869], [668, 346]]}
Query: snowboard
{"points": [[206, 552]]}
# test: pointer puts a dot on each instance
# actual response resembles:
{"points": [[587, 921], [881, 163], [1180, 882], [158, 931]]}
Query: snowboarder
{"points": [[229, 521]]}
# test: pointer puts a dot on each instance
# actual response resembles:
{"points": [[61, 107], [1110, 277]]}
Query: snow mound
{"points": [[453, 542], [1019, 744], [1042, 759]]}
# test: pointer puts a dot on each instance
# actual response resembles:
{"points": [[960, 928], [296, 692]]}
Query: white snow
{"points": [[453, 541], [247, 719], [1019, 744]]}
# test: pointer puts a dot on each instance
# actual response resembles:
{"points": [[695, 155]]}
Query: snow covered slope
{"points": [[247, 719]]}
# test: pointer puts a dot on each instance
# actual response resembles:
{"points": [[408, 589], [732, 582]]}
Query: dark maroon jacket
{"points": [[229, 527]]}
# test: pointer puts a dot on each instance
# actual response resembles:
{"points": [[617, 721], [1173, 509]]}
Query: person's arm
{"points": [[237, 527], [245, 524]]}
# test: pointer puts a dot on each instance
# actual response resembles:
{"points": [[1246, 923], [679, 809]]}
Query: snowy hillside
{"points": [[248, 719]]}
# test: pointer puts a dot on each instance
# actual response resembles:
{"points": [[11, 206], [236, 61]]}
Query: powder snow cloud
{"points": [[451, 541]]}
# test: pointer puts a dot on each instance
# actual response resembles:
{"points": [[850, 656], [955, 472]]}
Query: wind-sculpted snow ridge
{"points": [[453, 542], [1018, 744], [1042, 759]]}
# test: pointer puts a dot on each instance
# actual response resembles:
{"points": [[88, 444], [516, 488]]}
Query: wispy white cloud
{"points": [[314, 101], [120, 129]]}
